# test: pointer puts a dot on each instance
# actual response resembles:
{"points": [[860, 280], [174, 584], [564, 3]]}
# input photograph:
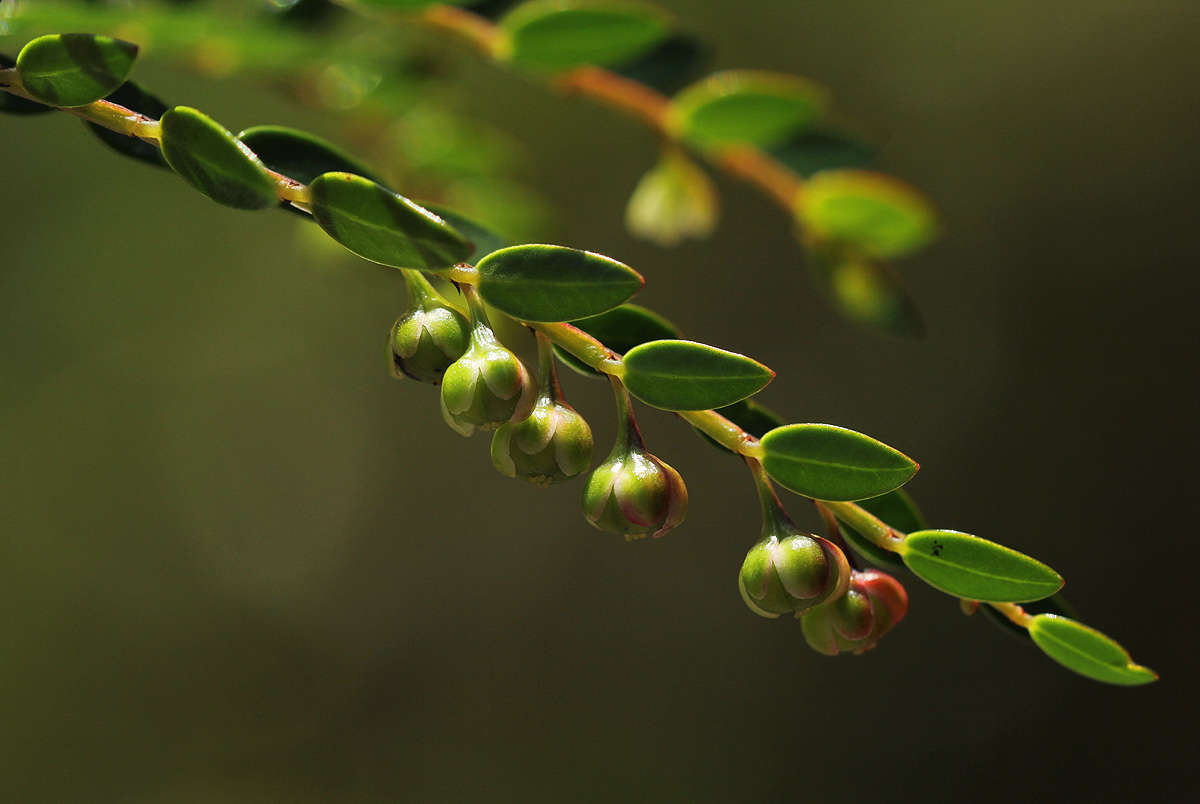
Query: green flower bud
{"points": [[554, 443], [633, 492], [427, 339], [855, 622], [788, 570], [674, 201], [792, 572]]}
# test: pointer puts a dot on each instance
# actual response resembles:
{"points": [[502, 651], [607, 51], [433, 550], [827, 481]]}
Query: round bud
{"points": [[635, 494], [425, 342], [855, 622], [486, 387], [552, 444], [791, 572]]}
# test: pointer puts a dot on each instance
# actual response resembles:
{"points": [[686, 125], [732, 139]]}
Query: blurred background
{"points": [[241, 563]]}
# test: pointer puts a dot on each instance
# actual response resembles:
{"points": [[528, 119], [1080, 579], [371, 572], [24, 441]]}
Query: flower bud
{"points": [[488, 385], [674, 201], [790, 571], [554, 443], [425, 342], [429, 337], [633, 492], [874, 603]]}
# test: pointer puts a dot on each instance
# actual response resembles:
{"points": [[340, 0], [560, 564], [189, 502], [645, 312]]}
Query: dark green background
{"points": [[240, 563]]}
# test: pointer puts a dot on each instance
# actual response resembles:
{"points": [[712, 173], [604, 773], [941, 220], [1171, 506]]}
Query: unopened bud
{"points": [[855, 622], [552, 444], [425, 342], [674, 201], [790, 572]]}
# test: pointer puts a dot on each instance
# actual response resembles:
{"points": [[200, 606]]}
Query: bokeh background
{"points": [[239, 562]]}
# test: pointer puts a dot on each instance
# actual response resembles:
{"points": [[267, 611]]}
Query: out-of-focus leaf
{"points": [[670, 66], [559, 34], [745, 107], [865, 291], [674, 201], [822, 148], [878, 214]]}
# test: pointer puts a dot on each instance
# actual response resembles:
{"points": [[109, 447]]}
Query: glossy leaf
{"points": [[967, 566], [745, 107], [750, 415], [897, 509], [213, 161], [1087, 651], [815, 149], [685, 375], [300, 155], [557, 35], [554, 283], [383, 227], [620, 329], [15, 104], [74, 69], [865, 291], [876, 213], [826, 462], [484, 239], [133, 97]]}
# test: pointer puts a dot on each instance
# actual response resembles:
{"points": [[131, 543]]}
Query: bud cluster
{"points": [[874, 604]]}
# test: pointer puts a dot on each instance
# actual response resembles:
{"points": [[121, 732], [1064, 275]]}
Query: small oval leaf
{"points": [[213, 161], [74, 69], [876, 213], [1086, 651], [967, 566], [560, 34], [822, 148], [898, 510], [553, 283], [865, 291], [685, 375], [745, 107], [133, 97], [826, 462], [383, 227], [300, 155], [620, 329], [671, 65]]}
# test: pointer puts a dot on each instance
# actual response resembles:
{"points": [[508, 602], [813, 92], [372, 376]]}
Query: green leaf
{"points": [[897, 509], [15, 104], [620, 329], [74, 69], [213, 161], [554, 283], [967, 566], [745, 107], [560, 34], [484, 239], [816, 149], [750, 415], [1087, 651], [865, 291], [826, 462], [685, 375], [300, 155], [876, 213], [133, 97], [384, 227]]}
